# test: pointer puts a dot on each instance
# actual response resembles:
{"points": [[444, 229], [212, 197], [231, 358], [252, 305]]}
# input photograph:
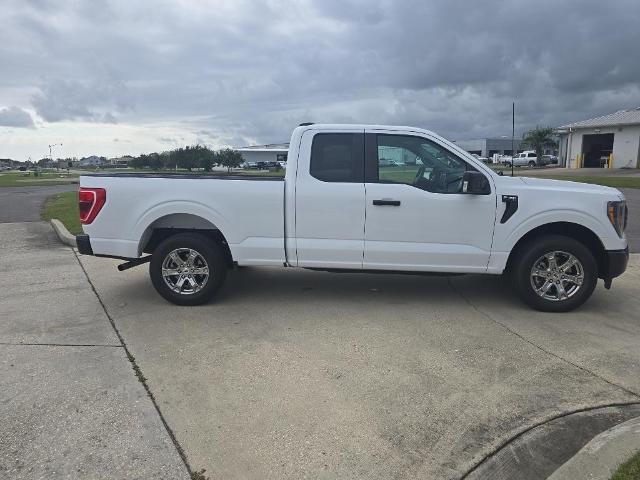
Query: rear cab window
{"points": [[338, 157]]}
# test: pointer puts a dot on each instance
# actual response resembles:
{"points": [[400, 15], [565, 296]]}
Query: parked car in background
{"points": [[386, 162], [528, 158], [250, 165], [481, 159], [550, 159]]}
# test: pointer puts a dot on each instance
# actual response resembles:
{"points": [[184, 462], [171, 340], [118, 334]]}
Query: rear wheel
{"points": [[187, 269], [532, 164], [554, 273]]}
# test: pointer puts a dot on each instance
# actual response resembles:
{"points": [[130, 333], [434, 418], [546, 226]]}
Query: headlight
{"points": [[617, 212]]}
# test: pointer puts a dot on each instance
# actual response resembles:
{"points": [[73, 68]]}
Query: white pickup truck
{"points": [[342, 206]]}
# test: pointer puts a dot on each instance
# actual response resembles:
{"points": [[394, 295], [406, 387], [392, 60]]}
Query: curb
{"points": [[63, 234], [600, 458], [541, 450]]}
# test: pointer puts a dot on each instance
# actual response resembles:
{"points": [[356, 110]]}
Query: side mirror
{"points": [[475, 183]]}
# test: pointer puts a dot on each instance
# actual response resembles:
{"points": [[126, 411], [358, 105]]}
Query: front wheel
{"points": [[554, 273], [187, 269]]}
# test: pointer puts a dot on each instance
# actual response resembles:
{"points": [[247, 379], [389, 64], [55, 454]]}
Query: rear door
{"points": [[417, 217], [330, 199]]}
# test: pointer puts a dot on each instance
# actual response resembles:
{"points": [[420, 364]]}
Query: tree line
{"points": [[189, 158]]}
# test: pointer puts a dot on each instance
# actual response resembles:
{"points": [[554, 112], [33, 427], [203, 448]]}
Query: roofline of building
{"points": [[502, 139], [599, 125], [280, 149]]}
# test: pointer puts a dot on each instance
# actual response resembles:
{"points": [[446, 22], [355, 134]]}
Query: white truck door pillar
{"points": [[330, 209]]}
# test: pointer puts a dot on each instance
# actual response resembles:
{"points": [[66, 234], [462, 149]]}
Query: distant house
{"points": [[120, 161], [274, 152], [611, 140], [92, 161]]}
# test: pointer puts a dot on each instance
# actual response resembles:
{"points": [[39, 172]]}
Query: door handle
{"points": [[393, 203]]}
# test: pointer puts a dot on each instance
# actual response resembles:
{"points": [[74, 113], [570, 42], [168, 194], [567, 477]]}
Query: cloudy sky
{"points": [[111, 77]]}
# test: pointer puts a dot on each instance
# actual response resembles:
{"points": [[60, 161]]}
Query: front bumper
{"points": [[615, 263], [84, 244]]}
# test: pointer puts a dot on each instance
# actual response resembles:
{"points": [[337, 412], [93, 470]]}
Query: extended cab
{"points": [[361, 198]]}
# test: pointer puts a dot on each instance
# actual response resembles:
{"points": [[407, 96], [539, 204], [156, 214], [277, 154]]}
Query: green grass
{"points": [[618, 182], [630, 470], [64, 207], [398, 174], [20, 179]]}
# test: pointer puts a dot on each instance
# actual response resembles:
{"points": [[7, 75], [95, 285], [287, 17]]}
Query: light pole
{"points": [[50, 156]]}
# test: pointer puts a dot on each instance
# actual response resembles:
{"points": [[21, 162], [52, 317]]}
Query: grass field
{"points": [[19, 179], [407, 175], [630, 470], [64, 207]]}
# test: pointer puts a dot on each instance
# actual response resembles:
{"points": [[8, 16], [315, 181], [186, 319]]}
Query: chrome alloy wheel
{"points": [[557, 275], [185, 271]]}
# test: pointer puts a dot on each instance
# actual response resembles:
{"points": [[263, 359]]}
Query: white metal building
{"points": [[274, 152], [611, 141], [487, 147]]}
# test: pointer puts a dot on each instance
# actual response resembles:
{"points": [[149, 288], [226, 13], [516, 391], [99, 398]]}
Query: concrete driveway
{"points": [[70, 404], [296, 374]]}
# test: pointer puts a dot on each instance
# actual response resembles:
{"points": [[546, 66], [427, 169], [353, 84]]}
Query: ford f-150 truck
{"points": [[342, 206]]}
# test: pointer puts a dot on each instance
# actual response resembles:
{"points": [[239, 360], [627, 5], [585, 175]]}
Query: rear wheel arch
{"points": [[575, 231], [173, 224]]}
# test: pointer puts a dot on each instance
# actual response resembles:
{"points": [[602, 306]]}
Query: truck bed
{"points": [[247, 210]]}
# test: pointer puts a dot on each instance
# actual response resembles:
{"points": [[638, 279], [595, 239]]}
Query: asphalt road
{"points": [[633, 227], [23, 204]]}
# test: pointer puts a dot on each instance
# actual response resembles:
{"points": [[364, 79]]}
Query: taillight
{"points": [[90, 201]]}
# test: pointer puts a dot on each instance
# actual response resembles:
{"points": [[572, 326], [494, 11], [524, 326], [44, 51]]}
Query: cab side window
{"points": [[420, 163], [338, 157]]}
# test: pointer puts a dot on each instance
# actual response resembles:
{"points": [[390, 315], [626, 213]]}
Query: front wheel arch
{"points": [[575, 231]]}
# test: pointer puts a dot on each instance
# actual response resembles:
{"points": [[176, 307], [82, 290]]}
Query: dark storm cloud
{"points": [[15, 117], [249, 71]]}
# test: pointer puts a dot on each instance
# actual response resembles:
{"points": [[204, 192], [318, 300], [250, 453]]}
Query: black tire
{"points": [[210, 257], [524, 276], [532, 164]]}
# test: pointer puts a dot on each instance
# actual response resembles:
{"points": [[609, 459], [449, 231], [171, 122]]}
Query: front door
{"points": [[417, 217]]}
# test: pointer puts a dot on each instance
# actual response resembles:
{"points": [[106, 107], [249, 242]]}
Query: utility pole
{"points": [[513, 134], [50, 156]]}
